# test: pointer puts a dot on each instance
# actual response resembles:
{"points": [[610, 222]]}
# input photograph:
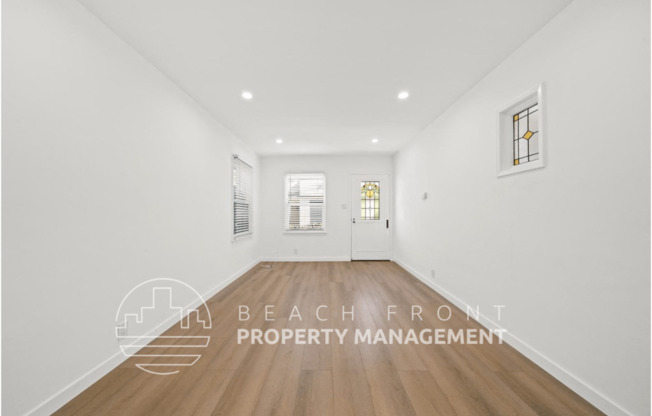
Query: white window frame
{"points": [[237, 163], [286, 205], [504, 144]]}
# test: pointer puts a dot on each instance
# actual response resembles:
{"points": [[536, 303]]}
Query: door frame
{"points": [[390, 211]]}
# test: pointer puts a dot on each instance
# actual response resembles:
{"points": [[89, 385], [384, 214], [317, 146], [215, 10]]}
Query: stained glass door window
{"points": [[370, 200], [526, 138]]}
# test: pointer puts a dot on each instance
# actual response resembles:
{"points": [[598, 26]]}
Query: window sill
{"points": [[537, 164], [303, 232], [241, 236]]}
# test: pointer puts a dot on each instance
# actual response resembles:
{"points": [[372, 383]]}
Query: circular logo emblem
{"points": [[163, 325]]}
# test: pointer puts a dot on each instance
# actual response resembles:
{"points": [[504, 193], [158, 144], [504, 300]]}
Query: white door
{"points": [[371, 237]]}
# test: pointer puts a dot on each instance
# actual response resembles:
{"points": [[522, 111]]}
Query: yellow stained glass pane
{"points": [[515, 117], [516, 162], [370, 200], [528, 135]]}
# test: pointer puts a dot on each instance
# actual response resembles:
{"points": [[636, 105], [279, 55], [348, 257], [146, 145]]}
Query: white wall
{"points": [[565, 248], [335, 244], [111, 176]]}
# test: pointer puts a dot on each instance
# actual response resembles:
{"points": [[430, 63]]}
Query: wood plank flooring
{"points": [[334, 379]]}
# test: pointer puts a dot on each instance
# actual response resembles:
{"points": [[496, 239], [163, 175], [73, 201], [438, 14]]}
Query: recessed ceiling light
{"points": [[374, 140], [403, 95], [279, 141], [247, 95]]}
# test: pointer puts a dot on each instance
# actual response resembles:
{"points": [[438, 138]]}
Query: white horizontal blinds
{"points": [[242, 197], [305, 200]]}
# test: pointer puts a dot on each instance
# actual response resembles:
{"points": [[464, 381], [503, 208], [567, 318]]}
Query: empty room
{"points": [[363, 207]]}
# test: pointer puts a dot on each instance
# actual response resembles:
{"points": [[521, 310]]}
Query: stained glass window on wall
{"points": [[526, 137], [370, 200]]}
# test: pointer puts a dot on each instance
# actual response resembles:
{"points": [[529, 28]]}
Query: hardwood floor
{"points": [[334, 379]]}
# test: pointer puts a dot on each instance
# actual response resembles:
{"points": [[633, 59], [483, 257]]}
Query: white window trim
{"points": [[285, 195], [505, 166], [239, 236]]}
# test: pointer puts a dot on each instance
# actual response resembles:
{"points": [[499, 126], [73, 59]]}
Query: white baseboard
{"points": [[574, 383], [69, 392], [302, 259]]}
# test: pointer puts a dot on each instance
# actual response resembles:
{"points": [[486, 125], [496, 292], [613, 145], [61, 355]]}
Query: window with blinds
{"points": [[242, 197], [305, 202]]}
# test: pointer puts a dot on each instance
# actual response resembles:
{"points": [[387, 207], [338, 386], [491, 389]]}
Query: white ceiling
{"points": [[325, 74]]}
